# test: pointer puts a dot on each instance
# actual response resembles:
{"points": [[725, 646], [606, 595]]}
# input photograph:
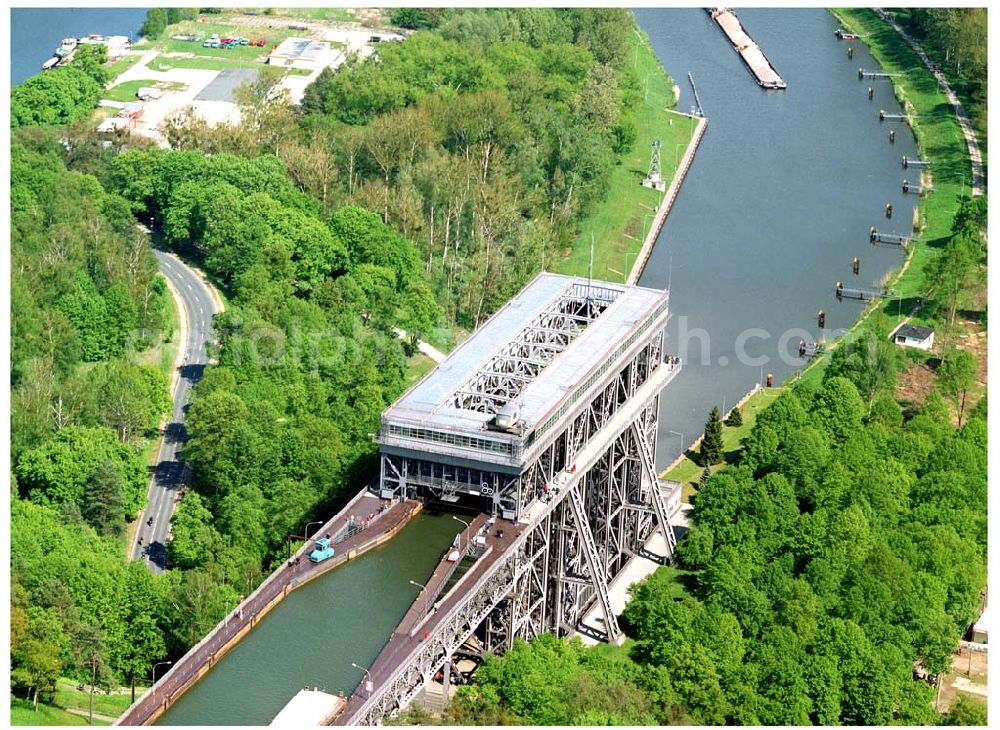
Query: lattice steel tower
{"points": [[545, 418], [654, 179]]}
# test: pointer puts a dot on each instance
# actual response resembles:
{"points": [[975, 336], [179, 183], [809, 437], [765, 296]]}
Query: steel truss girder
{"points": [[493, 588], [539, 584], [538, 342], [659, 505], [513, 597], [597, 568]]}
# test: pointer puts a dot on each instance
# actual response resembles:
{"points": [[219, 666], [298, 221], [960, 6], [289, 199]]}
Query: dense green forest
{"points": [[483, 140], [63, 95], [418, 188], [846, 547], [86, 302], [955, 38]]}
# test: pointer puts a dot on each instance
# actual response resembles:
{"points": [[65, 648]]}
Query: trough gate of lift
{"points": [[546, 417]]}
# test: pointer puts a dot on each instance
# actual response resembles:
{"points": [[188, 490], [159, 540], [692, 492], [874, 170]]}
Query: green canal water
{"points": [[777, 203], [312, 636]]}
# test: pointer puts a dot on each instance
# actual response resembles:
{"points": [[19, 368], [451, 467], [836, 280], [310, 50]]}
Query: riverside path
{"points": [[381, 520], [975, 155]]}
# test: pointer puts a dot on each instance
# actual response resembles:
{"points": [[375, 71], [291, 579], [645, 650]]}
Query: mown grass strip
{"points": [[22, 713], [940, 139], [618, 224], [688, 470]]}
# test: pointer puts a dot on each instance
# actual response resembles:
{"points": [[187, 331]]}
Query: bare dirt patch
{"points": [[968, 675], [918, 380], [915, 383]]}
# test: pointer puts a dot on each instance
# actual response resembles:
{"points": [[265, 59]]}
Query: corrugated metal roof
{"points": [[430, 403], [301, 49]]}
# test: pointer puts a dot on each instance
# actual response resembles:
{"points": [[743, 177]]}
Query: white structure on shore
{"points": [[301, 53]]}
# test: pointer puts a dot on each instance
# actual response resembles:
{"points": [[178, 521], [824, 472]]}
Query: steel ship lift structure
{"points": [[547, 416]]}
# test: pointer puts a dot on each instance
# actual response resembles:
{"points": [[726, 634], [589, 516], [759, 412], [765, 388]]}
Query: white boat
{"points": [[50, 63], [67, 46]]}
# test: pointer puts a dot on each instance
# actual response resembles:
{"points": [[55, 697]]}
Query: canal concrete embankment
{"points": [[668, 200], [383, 521], [697, 442]]}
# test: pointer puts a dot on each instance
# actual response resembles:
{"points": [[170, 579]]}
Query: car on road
{"points": [[322, 551]]}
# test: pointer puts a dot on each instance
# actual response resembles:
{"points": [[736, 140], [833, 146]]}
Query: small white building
{"points": [[117, 46], [113, 124], [301, 53], [148, 93], [912, 336], [981, 629]]}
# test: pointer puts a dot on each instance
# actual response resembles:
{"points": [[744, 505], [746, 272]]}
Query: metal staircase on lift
{"points": [[594, 561]]}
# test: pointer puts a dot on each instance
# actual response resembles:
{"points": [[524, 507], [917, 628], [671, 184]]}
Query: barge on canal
{"points": [[757, 63]]}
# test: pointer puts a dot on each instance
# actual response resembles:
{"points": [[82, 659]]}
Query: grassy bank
{"points": [[111, 705], [688, 471], [123, 64], [960, 84], [416, 368], [619, 223], [22, 713], [128, 90], [939, 138]]}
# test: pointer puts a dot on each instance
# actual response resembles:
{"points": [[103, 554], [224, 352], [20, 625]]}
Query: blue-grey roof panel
{"points": [[430, 402]]}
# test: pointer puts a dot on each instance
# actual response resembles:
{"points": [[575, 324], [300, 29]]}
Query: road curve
{"points": [[196, 308]]}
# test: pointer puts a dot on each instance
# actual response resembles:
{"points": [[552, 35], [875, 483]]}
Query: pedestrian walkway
{"points": [[86, 713], [425, 347], [374, 520], [975, 155]]}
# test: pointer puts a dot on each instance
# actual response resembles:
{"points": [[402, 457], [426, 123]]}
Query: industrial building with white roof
{"points": [[506, 394]]}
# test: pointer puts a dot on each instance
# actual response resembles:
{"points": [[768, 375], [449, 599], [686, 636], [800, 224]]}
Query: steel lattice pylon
{"points": [[602, 502]]}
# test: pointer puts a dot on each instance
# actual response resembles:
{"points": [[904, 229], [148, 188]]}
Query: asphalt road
{"points": [[193, 295]]}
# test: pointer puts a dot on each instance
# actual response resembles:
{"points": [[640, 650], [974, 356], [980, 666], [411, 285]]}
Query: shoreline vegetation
{"points": [[396, 200], [619, 224], [939, 138], [420, 192]]}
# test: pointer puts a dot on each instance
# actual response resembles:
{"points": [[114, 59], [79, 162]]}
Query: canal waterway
{"points": [[778, 202], [312, 636], [35, 33]]}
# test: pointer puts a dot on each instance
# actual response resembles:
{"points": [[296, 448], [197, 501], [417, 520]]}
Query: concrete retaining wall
{"points": [[264, 609], [668, 201]]}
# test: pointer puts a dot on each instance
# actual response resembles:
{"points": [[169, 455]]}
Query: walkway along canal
{"points": [[779, 199], [205, 688]]}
